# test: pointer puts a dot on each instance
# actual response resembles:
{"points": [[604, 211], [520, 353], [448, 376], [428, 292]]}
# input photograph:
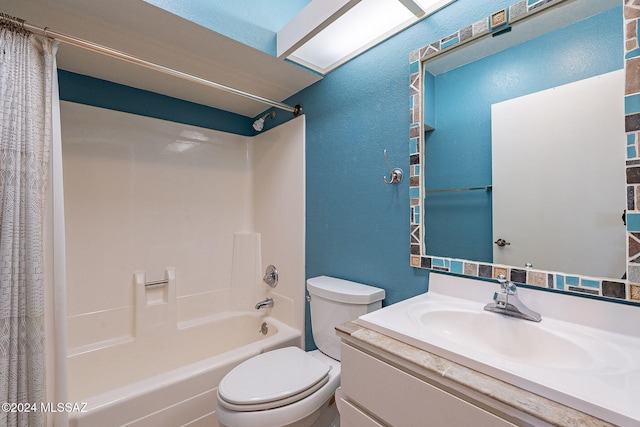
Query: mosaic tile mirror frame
{"points": [[627, 290]]}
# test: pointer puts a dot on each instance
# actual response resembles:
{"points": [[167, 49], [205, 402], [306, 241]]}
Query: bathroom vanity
{"points": [[383, 388], [410, 364]]}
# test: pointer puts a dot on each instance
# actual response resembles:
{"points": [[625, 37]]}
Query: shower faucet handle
{"points": [[271, 276]]}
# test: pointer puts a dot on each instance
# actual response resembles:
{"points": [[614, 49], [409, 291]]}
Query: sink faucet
{"points": [[266, 303], [507, 302]]}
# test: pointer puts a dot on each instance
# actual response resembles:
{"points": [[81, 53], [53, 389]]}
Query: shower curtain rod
{"points": [[94, 47]]}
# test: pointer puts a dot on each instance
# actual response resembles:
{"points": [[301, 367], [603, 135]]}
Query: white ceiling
{"points": [[150, 33]]}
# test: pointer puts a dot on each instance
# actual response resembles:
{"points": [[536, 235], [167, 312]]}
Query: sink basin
{"points": [[516, 339]]}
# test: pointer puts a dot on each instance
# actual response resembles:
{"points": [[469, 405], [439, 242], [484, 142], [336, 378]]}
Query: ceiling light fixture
{"points": [[328, 33]]}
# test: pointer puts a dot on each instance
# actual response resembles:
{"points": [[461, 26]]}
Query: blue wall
{"points": [[459, 149], [101, 93]]}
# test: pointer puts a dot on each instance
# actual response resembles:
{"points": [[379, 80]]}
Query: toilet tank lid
{"points": [[345, 291]]}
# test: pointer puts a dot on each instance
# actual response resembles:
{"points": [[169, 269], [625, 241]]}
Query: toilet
{"points": [[291, 387]]}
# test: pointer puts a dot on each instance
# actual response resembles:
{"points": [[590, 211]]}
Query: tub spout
{"points": [[266, 303]]}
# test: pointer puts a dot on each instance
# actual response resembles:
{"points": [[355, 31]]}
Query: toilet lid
{"points": [[273, 378]]}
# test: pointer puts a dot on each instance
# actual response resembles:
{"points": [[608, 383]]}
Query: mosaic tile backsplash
{"points": [[622, 290]]}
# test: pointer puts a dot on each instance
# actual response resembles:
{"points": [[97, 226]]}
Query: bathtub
{"points": [[170, 381]]}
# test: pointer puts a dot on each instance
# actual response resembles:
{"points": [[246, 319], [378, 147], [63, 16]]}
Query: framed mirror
{"points": [[506, 78]]}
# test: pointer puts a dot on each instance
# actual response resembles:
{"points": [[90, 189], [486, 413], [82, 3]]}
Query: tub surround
{"points": [[147, 200], [144, 194]]}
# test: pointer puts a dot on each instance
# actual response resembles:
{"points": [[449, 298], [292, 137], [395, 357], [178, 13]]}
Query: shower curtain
{"points": [[27, 70]]}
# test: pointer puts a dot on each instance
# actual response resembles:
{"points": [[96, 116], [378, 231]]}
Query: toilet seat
{"points": [[272, 379], [276, 403]]}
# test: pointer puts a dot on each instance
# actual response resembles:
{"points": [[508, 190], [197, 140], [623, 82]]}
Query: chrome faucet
{"points": [[266, 303], [507, 302]]}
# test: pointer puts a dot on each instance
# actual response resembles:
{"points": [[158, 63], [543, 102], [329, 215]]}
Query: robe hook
{"points": [[395, 174]]}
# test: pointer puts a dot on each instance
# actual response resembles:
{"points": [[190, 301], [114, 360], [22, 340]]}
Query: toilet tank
{"points": [[336, 301]]}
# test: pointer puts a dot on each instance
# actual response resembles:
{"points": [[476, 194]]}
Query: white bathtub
{"points": [[170, 381]]}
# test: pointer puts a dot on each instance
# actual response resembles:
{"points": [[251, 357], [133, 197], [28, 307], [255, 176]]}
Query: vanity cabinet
{"points": [[374, 392]]}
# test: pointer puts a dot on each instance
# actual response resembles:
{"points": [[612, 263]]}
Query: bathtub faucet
{"points": [[266, 303]]}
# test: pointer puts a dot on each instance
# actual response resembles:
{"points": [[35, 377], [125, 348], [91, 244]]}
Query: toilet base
{"points": [[329, 416], [325, 416]]}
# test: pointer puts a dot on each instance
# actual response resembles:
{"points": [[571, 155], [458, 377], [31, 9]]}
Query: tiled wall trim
{"points": [[623, 290], [632, 127]]}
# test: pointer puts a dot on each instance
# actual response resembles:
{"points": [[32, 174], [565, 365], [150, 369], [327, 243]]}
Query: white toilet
{"points": [[290, 387]]}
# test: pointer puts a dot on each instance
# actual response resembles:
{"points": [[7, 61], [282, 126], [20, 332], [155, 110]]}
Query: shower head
{"points": [[259, 124]]}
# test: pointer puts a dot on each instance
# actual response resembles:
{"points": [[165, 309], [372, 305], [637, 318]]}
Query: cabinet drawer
{"points": [[401, 399], [350, 416]]}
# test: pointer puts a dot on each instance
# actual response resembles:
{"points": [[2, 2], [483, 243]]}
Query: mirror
{"points": [[457, 175]]}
